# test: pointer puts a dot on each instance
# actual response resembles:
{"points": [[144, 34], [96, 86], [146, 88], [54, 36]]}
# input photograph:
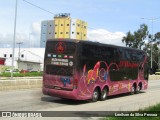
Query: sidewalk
{"points": [[20, 78], [154, 77], [20, 83]]}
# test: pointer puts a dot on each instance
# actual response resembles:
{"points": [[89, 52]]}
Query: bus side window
{"points": [[146, 71], [115, 72], [121, 53], [128, 54]]}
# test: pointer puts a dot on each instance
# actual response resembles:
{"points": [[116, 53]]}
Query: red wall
{"points": [[2, 61]]}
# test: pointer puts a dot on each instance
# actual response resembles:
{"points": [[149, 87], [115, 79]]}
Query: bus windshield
{"points": [[59, 58]]}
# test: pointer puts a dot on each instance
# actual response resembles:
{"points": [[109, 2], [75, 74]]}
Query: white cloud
{"points": [[36, 27], [31, 39], [35, 34], [6, 40], [104, 36]]}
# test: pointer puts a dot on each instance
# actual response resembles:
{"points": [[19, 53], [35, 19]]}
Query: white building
{"points": [[47, 31], [28, 59]]}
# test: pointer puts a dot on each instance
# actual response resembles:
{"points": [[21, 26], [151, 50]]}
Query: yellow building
{"points": [[65, 27]]}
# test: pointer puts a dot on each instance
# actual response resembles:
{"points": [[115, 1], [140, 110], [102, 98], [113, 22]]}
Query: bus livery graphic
{"points": [[83, 70], [60, 47]]}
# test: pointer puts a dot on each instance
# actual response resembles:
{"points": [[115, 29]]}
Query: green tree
{"points": [[136, 40], [157, 36], [155, 54], [128, 39]]}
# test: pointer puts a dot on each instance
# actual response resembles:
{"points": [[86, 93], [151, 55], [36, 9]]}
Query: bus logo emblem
{"points": [[60, 47]]}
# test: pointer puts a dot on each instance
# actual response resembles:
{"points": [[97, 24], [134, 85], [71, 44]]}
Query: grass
{"points": [[157, 73], [28, 74], [153, 109]]}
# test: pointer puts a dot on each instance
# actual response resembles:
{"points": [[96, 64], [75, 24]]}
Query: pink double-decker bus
{"points": [[83, 70]]}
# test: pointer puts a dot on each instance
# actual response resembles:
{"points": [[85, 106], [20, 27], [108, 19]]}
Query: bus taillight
{"points": [[75, 83]]}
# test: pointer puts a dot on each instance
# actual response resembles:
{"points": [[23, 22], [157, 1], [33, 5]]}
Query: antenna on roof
{"points": [[62, 15]]}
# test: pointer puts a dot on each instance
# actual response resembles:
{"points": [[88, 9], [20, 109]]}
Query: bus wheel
{"points": [[133, 89], [104, 93], [138, 89], [95, 95]]}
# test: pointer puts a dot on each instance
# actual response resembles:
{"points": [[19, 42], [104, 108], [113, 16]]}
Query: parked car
{"points": [[24, 71], [10, 70]]}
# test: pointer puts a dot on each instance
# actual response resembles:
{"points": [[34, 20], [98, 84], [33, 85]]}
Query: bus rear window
{"points": [[60, 58], [61, 70]]}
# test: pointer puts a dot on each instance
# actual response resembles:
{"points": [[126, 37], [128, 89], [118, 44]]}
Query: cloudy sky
{"points": [[108, 20]]}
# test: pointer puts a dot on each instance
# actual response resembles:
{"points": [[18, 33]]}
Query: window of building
{"points": [[49, 33], [66, 32], [85, 27], [55, 32], [22, 56], [61, 32], [72, 32], [50, 25], [61, 24], [67, 24], [84, 35], [73, 24], [10, 55], [55, 24], [78, 25], [77, 33], [5, 55]]}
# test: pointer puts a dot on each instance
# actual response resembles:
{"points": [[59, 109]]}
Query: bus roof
{"points": [[94, 43]]}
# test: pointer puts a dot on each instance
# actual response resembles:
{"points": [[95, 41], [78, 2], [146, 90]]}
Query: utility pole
{"points": [[14, 37], [152, 20], [19, 43]]}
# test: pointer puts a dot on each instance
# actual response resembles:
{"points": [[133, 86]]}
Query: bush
{"points": [[158, 70], [157, 73], [27, 74], [3, 68]]}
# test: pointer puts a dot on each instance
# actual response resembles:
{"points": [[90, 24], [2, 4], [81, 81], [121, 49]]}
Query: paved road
{"points": [[30, 100]]}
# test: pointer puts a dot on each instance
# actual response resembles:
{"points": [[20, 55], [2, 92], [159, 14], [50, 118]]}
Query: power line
{"points": [[55, 14], [46, 10], [39, 7]]}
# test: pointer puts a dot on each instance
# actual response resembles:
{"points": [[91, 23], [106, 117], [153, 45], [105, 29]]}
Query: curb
{"points": [[6, 85], [154, 77]]}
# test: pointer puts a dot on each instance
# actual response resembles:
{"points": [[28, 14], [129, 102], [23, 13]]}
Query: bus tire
{"points": [[95, 95], [133, 90], [104, 93], [138, 89]]}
